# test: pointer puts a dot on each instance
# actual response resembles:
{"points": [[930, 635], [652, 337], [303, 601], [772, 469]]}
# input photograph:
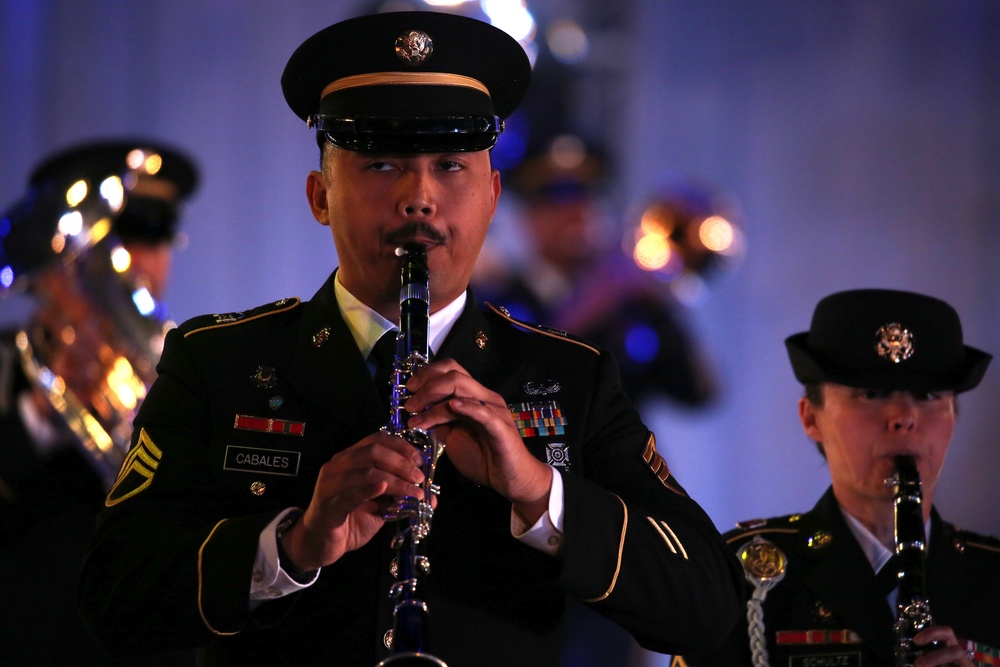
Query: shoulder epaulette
{"points": [[783, 524], [209, 322], [966, 539], [557, 334]]}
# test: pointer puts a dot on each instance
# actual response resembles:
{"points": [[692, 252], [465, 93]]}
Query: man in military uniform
{"points": [[51, 484], [881, 370], [249, 520]]}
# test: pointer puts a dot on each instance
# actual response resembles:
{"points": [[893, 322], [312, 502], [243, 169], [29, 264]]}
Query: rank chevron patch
{"points": [[136, 473], [658, 465]]}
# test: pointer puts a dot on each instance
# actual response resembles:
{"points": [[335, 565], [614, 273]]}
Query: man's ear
{"points": [[807, 415], [316, 193], [495, 187]]}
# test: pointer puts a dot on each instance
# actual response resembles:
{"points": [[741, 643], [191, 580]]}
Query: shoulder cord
{"points": [[755, 623], [764, 566]]}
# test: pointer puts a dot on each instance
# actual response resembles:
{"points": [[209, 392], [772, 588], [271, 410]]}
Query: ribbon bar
{"points": [[786, 637], [265, 425]]}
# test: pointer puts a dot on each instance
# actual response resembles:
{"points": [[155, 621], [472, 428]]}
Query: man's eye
{"points": [[872, 394], [379, 166], [450, 166]]}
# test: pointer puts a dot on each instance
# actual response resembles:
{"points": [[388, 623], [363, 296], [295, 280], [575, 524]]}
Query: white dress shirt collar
{"points": [[367, 326]]}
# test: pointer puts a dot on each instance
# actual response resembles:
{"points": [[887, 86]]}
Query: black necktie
{"points": [[383, 356], [888, 576]]}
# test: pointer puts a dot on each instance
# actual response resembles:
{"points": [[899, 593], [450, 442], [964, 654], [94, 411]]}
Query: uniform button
{"points": [[273, 593], [258, 576], [387, 639], [553, 540]]}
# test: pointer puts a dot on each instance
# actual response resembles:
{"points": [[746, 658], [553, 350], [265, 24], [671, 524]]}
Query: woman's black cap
{"points": [[886, 339]]}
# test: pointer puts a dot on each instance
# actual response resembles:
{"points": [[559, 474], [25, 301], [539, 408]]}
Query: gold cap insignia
{"points": [[414, 47], [894, 343]]}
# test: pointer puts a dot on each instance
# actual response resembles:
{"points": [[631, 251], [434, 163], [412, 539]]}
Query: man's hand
{"points": [[352, 492], [480, 436], [952, 652]]}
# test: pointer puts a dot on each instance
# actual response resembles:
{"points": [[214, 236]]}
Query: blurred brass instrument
{"points": [[92, 346], [410, 614], [913, 612]]}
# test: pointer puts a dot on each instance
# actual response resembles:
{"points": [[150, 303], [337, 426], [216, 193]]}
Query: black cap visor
{"points": [[410, 135]]}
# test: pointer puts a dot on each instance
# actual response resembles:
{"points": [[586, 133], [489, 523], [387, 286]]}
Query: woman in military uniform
{"points": [[881, 369]]}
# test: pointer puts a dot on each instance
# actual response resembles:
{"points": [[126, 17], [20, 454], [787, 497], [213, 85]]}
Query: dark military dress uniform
{"points": [[246, 409], [828, 609]]}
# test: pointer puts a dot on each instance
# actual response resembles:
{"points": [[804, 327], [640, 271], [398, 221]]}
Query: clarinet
{"points": [[913, 612], [409, 633]]}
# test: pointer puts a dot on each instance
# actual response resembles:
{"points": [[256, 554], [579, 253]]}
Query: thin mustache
{"points": [[413, 230]]}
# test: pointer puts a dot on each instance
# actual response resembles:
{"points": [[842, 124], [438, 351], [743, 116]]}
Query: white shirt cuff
{"points": [[546, 534], [269, 581]]}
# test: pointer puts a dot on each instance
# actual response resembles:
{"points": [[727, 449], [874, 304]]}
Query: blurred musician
{"points": [[91, 243], [576, 278]]}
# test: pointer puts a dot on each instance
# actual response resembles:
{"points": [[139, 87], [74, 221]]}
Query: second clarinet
{"points": [[913, 611], [410, 565]]}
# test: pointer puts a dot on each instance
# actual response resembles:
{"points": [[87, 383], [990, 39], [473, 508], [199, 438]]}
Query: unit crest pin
{"points": [[320, 338], [265, 377]]}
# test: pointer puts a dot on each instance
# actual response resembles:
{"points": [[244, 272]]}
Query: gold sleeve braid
{"points": [[201, 609], [618, 564]]}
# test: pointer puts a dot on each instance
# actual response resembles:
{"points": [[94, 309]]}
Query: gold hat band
{"points": [[404, 78]]}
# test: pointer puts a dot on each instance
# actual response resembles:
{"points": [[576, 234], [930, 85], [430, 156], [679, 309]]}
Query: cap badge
{"points": [[414, 47], [894, 343]]}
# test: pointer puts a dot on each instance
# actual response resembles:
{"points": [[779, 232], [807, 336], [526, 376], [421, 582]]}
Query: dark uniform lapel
{"points": [[946, 574], [328, 367], [471, 343], [843, 577]]}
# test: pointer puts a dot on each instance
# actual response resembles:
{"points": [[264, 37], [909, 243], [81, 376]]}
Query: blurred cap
{"points": [[886, 339], [77, 196], [567, 168], [407, 82]]}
